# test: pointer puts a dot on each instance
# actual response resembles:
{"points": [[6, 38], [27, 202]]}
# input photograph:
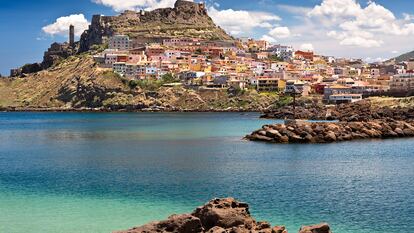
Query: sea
{"points": [[101, 172]]}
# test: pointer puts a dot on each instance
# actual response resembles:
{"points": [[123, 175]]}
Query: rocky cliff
{"points": [[186, 19], [219, 216]]}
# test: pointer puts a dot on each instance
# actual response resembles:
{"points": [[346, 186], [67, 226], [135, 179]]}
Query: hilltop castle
{"points": [[186, 19]]}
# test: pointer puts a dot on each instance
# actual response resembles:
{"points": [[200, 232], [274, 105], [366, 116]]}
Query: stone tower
{"points": [[71, 35]]}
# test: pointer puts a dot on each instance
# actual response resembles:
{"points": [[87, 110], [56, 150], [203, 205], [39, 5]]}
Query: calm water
{"points": [[83, 172]]}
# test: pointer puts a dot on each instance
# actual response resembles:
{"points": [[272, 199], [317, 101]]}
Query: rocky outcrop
{"points": [[57, 52], [219, 216], [186, 19], [324, 132], [320, 228], [360, 111]]}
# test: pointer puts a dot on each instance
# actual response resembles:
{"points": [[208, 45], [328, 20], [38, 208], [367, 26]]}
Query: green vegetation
{"points": [[198, 51], [169, 78], [111, 74], [151, 84], [98, 48], [275, 58], [283, 101]]}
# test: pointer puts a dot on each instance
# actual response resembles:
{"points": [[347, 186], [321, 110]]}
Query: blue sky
{"points": [[372, 30]]}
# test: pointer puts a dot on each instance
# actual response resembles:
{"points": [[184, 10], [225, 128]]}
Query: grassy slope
{"points": [[405, 57], [42, 89], [78, 82]]}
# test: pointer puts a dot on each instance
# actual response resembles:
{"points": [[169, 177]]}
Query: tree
{"points": [[198, 51], [275, 58], [168, 78]]}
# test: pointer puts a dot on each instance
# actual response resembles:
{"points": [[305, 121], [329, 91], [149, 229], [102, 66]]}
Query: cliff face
{"points": [[186, 19]]}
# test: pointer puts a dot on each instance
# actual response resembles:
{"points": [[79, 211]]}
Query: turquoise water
{"points": [[86, 172]]}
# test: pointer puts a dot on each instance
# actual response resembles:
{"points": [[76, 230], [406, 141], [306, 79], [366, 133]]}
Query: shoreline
{"points": [[76, 110]]}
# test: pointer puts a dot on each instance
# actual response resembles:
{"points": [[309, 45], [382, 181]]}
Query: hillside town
{"points": [[256, 64]]}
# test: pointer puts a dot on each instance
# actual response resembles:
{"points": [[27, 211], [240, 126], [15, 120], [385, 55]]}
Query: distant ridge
{"points": [[405, 57]]}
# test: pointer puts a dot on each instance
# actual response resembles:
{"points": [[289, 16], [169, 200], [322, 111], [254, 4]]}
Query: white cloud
{"points": [[361, 42], [238, 22], [335, 10], [121, 5], [353, 25], [61, 25], [373, 60], [280, 32], [277, 33], [268, 39], [294, 9], [307, 47], [408, 17]]}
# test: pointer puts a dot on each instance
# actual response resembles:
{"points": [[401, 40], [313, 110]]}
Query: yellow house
{"points": [[241, 68], [195, 66], [207, 69], [281, 84], [183, 66]]}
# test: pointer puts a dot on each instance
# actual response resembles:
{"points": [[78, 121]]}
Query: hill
{"points": [[186, 19], [78, 83], [405, 57], [69, 79]]}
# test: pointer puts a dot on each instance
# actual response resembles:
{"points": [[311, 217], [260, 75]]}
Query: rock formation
{"points": [[186, 19], [56, 53], [325, 132], [360, 111], [320, 228], [219, 216]]}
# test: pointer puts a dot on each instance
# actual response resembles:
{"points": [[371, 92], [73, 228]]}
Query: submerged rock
{"points": [[219, 216]]}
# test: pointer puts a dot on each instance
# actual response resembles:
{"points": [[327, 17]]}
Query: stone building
{"points": [[120, 42], [72, 35], [402, 82]]}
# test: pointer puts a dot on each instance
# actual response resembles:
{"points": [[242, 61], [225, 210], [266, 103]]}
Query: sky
{"points": [[367, 29]]}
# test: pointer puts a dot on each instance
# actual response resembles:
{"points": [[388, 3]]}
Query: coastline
{"points": [[97, 110]]}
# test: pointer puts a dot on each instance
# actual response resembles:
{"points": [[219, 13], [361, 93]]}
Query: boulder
{"points": [[258, 137], [284, 139], [273, 133], [330, 136], [279, 229], [408, 132], [184, 223], [399, 131], [320, 228], [225, 213], [217, 230]]}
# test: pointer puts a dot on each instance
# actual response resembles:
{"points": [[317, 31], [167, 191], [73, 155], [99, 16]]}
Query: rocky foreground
{"points": [[325, 132], [219, 216]]}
